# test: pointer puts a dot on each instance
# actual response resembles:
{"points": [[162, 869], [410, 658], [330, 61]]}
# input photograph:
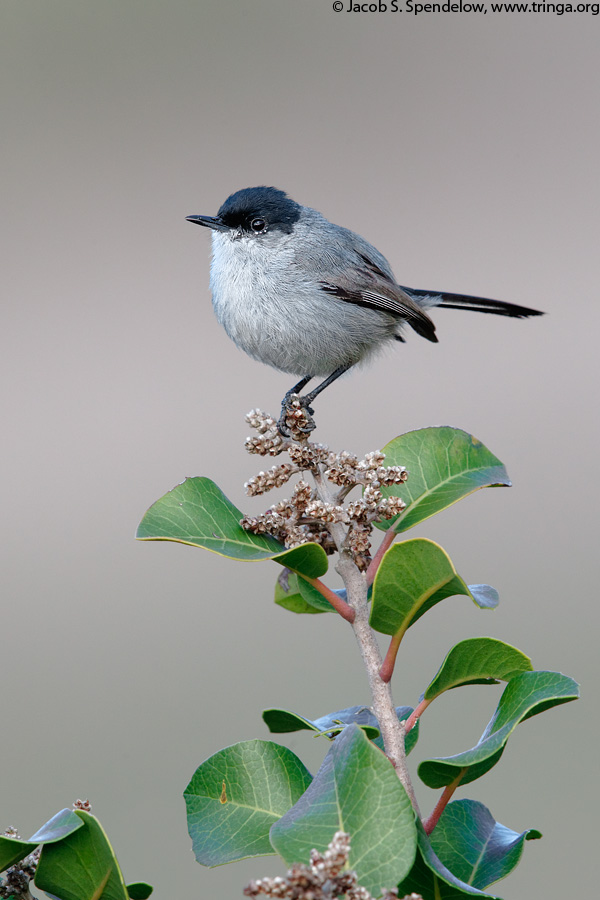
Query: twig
{"points": [[440, 806], [388, 540], [416, 715], [355, 582], [340, 605]]}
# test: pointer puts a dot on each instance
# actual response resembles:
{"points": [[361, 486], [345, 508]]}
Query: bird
{"points": [[311, 298]]}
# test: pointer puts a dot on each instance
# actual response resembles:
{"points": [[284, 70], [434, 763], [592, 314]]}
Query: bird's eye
{"points": [[258, 225]]}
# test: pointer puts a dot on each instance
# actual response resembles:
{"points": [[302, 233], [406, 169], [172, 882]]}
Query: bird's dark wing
{"points": [[354, 271], [381, 294]]}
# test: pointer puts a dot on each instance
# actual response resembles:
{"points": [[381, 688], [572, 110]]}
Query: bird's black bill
{"points": [[213, 222]]}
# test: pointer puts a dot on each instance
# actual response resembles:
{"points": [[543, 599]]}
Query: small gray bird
{"points": [[309, 297]]}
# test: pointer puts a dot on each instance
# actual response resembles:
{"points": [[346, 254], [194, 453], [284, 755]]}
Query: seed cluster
{"points": [[306, 517], [323, 879]]}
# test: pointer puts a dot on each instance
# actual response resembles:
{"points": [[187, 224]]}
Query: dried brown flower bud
{"points": [[325, 512], [261, 421], [307, 455], [277, 476], [393, 475], [389, 507], [372, 460], [358, 893], [371, 497], [265, 446], [359, 544], [303, 494], [358, 510]]}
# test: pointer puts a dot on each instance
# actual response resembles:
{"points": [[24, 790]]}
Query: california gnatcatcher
{"points": [[309, 297]]}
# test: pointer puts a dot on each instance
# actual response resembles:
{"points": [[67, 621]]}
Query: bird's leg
{"points": [[296, 389], [306, 400]]}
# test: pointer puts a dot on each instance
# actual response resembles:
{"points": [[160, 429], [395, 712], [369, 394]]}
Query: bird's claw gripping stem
{"points": [[298, 410]]}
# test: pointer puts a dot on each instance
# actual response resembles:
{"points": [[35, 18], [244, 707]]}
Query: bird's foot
{"points": [[296, 419]]}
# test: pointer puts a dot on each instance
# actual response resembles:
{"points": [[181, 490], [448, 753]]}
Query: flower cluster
{"points": [[323, 879], [307, 516], [290, 521]]}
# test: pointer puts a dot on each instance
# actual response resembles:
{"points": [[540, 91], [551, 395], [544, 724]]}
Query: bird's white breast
{"points": [[277, 313]]}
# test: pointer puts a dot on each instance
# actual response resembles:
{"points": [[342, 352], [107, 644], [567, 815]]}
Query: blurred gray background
{"points": [[465, 147]]}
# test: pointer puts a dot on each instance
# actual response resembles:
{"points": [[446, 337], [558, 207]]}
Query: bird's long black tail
{"points": [[477, 304]]}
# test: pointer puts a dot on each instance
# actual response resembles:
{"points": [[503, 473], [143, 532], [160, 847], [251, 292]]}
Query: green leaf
{"points": [[12, 850], [430, 878], [310, 559], [476, 848], [139, 890], [356, 790], [444, 465], [524, 696], [298, 596], [413, 576], [81, 866], [197, 512], [288, 596], [282, 721], [59, 826], [481, 660], [235, 796]]}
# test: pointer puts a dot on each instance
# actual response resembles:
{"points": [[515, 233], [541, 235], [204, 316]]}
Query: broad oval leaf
{"points": [[481, 660], [81, 866], [282, 721], [444, 465], [430, 878], [236, 795], [524, 696], [476, 848], [356, 790], [414, 575], [198, 513]]}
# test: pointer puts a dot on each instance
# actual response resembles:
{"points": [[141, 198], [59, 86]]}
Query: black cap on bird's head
{"points": [[255, 211]]}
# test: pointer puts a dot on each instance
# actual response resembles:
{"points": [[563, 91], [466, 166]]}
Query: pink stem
{"points": [[415, 715], [340, 606], [387, 668], [440, 806], [388, 540]]}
